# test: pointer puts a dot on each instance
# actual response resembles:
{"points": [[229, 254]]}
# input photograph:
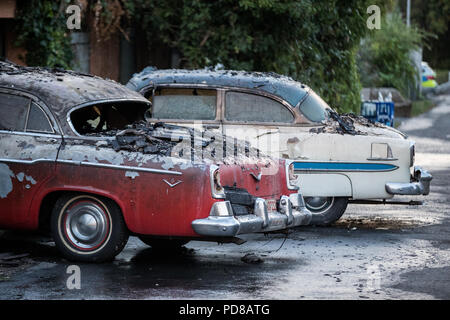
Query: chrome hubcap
{"points": [[86, 225], [318, 204]]}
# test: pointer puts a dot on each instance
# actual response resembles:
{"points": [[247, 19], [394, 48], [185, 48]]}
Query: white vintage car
{"points": [[338, 158]]}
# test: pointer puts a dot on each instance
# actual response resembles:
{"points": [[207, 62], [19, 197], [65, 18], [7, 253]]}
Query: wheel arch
{"points": [[48, 201]]}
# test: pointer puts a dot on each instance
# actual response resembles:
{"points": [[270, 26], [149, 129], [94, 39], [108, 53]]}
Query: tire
{"points": [[88, 228], [163, 244], [326, 210]]}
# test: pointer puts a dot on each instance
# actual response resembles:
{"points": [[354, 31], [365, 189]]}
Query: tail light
{"points": [[217, 190], [412, 154], [291, 176]]}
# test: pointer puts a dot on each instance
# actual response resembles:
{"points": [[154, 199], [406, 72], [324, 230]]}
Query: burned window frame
{"points": [[95, 103], [54, 125], [148, 91]]}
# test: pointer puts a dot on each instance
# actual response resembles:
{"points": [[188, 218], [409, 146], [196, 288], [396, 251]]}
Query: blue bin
{"points": [[377, 111]]}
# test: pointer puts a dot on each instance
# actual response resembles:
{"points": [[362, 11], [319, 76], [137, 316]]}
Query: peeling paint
{"points": [[30, 179], [131, 174], [6, 185], [20, 176]]}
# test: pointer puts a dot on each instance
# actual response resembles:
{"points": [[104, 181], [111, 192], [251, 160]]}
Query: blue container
{"points": [[377, 111]]}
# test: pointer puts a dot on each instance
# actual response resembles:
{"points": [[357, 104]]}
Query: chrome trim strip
{"points": [[26, 161], [120, 167], [91, 164], [34, 134], [382, 159]]}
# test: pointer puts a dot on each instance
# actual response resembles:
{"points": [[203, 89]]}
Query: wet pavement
{"points": [[373, 252]]}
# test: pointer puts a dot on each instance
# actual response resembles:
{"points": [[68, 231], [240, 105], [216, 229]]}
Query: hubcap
{"points": [[86, 225], [318, 204]]}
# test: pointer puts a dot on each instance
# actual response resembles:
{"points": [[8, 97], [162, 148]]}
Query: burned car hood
{"points": [[180, 142], [352, 124]]}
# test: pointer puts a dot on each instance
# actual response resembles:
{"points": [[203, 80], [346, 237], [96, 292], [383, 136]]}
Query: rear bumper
{"points": [[222, 223], [420, 184]]}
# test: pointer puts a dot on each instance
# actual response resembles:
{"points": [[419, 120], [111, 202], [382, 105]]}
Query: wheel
{"points": [[163, 244], [326, 210], [88, 228]]}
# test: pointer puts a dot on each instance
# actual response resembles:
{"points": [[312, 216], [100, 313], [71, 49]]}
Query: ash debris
{"points": [[161, 138], [10, 68], [344, 124]]}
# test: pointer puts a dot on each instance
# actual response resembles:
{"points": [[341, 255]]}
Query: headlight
{"points": [[291, 176], [217, 190], [412, 154]]}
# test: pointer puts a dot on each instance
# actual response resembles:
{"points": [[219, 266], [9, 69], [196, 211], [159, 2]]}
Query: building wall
{"points": [[104, 57], [7, 8]]}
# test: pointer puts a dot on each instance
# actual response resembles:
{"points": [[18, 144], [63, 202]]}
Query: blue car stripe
{"points": [[342, 166]]}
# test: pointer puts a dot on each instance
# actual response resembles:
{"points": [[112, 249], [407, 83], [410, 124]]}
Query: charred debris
{"points": [[9, 68], [160, 139], [344, 124]]}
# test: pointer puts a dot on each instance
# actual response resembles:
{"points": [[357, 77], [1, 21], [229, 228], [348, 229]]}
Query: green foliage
{"points": [[42, 32], [384, 56], [312, 40], [433, 16]]}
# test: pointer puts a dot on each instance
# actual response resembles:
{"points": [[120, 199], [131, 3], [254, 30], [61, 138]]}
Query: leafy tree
{"points": [[384, 57], [433, 16], [313, 41], [42, 32]]}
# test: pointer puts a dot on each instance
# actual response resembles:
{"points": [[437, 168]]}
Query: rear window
{"points": [[184, 104], [98, 119]]}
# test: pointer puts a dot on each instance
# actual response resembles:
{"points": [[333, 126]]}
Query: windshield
{"points": [[314, 108]]}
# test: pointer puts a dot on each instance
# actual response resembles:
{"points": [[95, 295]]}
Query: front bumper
{"points": [[420, 184], [222, 223]]}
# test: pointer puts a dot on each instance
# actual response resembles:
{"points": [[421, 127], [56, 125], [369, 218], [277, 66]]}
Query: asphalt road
{"points": [[374, 252]]}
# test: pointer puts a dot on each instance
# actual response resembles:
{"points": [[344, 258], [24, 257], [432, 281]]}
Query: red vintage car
{"points": [[77, 159]]}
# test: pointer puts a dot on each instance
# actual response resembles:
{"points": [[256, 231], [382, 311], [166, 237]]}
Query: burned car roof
{"points": [[60, 89], [281, 86]]}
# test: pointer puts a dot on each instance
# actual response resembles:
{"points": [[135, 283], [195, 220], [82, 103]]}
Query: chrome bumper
{"points": [[222, 223], [420, 184]]}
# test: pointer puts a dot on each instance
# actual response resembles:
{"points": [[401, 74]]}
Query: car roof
{"points": [[62, 90], [284, 87]]}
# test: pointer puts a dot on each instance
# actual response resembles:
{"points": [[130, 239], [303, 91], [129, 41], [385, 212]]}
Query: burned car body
{"points": [[337, 157], [77, 158]]}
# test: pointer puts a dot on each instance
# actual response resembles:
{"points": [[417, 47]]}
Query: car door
{"points": [[29, 143]]}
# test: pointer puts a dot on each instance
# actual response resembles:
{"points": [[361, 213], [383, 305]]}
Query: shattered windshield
{"points": [[314, 107]]}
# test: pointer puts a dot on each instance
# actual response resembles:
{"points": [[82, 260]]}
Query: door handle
{"points": [[211, 126]]}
